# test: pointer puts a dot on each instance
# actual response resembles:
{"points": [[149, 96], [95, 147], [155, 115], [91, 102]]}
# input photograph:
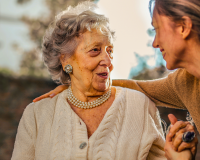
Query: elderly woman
{"points": [[177, 26], [90, 120]]}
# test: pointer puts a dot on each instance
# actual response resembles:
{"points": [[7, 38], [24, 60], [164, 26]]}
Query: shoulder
{"points": [[136, 96], [181, 75], [43, 108], [140, 98], [184, 81], [45, 104], [131, 93], [137, 99]]}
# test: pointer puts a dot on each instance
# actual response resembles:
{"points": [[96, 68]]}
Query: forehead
{"points": [[156, 19], [159, 20], [94, 37]]}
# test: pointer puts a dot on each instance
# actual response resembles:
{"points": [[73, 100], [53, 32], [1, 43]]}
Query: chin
{"points": [[170, 66], [102, 87]]}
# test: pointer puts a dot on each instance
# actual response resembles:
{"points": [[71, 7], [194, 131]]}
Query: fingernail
{"points": [[51, 95], [171, 125], [34, 100]]}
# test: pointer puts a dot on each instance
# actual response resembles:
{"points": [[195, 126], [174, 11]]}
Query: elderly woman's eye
{"points": [[110, 50], [95, 51]]}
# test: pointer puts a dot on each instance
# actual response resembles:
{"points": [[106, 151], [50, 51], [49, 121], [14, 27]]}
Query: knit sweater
{"points": [[179, 90], [130, 130]]}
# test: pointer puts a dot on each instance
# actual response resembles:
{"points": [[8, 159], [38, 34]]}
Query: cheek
{"points": [[91, 64], [173, 43], [111, 67], [87, 69], [162, 36], [85, 62]]}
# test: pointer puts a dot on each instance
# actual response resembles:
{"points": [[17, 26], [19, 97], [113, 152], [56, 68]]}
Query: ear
{"points": [[186, 27], [63, 60]]}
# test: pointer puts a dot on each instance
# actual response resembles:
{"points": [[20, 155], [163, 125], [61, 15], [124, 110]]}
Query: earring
{"points": [[68, 69]]}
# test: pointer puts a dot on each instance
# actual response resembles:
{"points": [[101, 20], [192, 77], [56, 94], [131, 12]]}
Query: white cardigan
{"points": [[130, 130]]}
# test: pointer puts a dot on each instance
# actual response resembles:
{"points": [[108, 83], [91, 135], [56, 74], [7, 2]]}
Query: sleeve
{"points": [[153, 141], [163, 92], [24, 147]]}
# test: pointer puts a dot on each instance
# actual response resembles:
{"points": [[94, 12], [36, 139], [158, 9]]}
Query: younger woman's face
{"points": [[168, 38]]}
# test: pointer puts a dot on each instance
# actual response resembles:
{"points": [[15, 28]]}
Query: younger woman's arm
{"points": [[163, 92]]}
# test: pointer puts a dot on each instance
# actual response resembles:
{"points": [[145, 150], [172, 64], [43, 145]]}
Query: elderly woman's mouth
{"points": [[103, 75]]}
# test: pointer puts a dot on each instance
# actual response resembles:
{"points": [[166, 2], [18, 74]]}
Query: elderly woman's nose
{"points": [[106, 59]]}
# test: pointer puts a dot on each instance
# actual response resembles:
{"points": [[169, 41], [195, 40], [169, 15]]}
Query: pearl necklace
{"points": [[87, 105]]}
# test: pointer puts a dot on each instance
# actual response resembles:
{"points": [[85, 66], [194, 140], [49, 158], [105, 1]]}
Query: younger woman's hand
{"points": [[171, 154], [52, 93], [174, 138]]}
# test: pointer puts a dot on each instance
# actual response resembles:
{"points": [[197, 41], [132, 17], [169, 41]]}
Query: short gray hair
{"points": [[61, 36]]}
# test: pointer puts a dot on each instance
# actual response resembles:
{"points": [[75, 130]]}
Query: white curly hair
{"points": [[63, 34]]}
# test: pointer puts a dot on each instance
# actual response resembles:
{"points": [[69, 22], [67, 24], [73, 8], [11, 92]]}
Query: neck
{"points": [[87, 105], [194, 69], [86, 94], [192, 64], [191, 59]]}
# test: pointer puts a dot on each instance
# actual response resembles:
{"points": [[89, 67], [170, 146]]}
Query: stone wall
{"points": [[15, 95]]}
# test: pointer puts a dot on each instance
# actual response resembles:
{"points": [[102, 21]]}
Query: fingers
{"points": [[176, 127], [172, 119], [49, 94], [168, 138], [185, 145], [192, 146], [60, 88], [194, 150], [177, 140], [178, 144], [52, 93], [171, 154]]}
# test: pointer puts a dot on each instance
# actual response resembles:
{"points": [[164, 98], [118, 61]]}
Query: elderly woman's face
{"points": [[92, 61]]}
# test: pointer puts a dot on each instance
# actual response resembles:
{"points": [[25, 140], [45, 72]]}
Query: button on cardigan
{"points": [[130, 130]]}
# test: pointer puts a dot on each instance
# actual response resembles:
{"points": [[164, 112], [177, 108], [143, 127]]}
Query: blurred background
{"points": [[23, 75]]}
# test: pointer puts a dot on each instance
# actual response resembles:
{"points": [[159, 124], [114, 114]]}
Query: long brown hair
{"points": [[176, 9]]}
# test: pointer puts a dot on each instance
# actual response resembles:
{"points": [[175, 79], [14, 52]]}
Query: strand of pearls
{"points": [[87, 105]]}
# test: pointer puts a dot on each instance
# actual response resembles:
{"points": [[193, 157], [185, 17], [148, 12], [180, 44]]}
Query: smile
{"points": [[103, 75], [163, 54]]}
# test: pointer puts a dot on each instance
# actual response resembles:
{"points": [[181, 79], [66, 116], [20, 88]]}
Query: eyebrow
{"points": [[95, 44]]}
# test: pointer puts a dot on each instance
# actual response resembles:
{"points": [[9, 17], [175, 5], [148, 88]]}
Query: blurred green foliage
{"points": [[6, 71]]}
